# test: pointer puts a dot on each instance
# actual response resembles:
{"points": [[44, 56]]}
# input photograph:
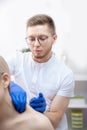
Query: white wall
{"points": [[70, 19]]}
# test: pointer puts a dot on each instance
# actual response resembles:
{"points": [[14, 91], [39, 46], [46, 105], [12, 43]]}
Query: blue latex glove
{"points": [[38, 103], [19, 97]]}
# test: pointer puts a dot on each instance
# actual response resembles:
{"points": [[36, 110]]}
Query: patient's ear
{"points": [[5, 80]]}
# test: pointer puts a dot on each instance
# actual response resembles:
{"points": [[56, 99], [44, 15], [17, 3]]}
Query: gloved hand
{"points": [[19, 97], [38, 103]]}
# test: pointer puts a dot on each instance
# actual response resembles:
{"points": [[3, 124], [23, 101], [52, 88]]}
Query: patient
{"points": [[10, 119]]}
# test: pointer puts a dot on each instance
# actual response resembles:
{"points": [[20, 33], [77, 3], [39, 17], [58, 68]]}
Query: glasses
{"points": [[42, 40]]}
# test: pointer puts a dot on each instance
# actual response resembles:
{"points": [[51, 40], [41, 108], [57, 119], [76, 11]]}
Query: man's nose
{"points": [[37, 43]]}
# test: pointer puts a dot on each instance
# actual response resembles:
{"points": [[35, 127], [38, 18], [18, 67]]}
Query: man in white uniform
{"points": [[41, 71]]}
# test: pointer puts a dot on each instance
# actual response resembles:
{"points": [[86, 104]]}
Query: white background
{"points": [[70, 17]]}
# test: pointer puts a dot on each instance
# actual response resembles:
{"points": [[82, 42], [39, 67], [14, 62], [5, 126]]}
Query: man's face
{"points": [[40, 41]]}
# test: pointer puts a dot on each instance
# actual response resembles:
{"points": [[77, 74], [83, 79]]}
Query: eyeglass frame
{"points": [[38, 39]]}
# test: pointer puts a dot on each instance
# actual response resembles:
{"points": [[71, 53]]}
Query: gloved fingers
{"points": [[37, 100], [40, 95], [42, 104], [33, 105], [19, 101], [18, 97], [39, 109], [36, 105], [23, 100], [22, 97], [15, 102], [33, 99], [21, 104]]}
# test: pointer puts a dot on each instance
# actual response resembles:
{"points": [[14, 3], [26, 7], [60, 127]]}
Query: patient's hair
{"points": [[42, 19], [3, 66]]}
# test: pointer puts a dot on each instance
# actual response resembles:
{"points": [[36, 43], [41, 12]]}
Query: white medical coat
{"points": [[51, 78]]}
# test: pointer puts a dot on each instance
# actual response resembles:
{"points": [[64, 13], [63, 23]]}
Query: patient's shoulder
{"points": [[44, 123], [38, 121]]}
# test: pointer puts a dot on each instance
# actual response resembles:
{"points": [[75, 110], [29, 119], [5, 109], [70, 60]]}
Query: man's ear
{"points": [[54, 38], [5, 80]]}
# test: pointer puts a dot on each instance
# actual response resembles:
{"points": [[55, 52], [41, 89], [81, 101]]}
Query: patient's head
{"points": [[4, 73]]}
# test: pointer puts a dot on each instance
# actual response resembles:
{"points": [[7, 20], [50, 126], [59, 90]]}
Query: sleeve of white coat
{"points": [[67, 85]]}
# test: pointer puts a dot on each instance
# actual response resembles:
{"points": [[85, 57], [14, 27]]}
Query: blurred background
{"points": [[70, 17]]}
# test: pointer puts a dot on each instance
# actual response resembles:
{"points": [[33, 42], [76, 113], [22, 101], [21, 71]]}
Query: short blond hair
{"points": [[42, 19], [3, 66]]}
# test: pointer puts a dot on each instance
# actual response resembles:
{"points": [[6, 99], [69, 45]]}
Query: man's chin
{"points": [[38, 56]]}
